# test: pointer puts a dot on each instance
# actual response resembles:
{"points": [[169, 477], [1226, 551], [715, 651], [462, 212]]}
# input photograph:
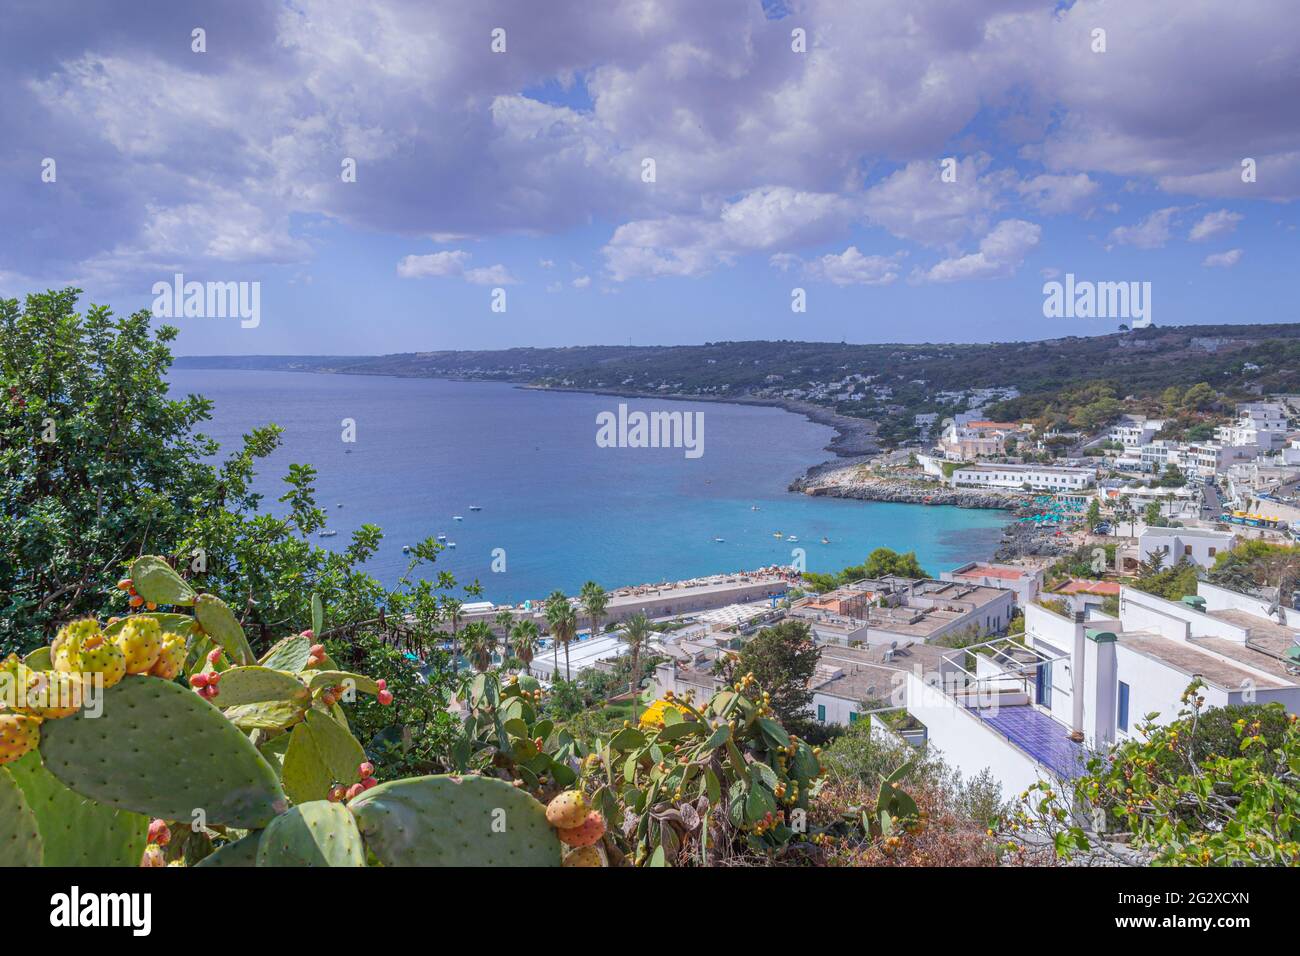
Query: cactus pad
{"points": [[318, 833], [288, 654], [242, 852], [220, 624], [76, 831], [455, 821], [272, 715], [252, 685], [154, 580], [161, 750], [20, 836]]}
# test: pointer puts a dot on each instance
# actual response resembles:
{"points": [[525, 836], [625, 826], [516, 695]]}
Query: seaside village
{"points": [[1021, 664]]}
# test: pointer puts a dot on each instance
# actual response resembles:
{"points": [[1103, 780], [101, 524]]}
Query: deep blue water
{"points": [[563, 509]]}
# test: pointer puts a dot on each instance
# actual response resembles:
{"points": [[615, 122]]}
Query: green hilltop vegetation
{"points": [[1056, 378]]}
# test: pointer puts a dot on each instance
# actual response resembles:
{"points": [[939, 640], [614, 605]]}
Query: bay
{"points": [[557, 509]]}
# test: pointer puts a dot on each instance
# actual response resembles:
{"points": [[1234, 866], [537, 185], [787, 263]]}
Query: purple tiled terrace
{"points": [[1043, 738]]}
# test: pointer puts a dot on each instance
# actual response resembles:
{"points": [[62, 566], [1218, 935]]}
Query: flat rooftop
{"points": [[1000, 571], [1191, 658]]}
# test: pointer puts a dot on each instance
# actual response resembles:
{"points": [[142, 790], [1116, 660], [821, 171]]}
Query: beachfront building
{"points": [[1134, 431], [976, 439], [1077, 687], [1023, 582], [894, 611], [1198, 545], [1005, 477]]}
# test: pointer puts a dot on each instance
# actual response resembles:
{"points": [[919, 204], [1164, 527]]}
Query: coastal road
{"points": [[1211, 505]]}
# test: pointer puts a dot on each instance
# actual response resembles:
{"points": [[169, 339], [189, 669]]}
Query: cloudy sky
{"points": [[777, 164]]}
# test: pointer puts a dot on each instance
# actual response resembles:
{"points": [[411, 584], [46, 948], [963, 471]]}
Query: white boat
{"points": [[475, 508], [719, 540], [457, 518], [442, 537], [753, 507], [793, 537], [406, 549], [339, 505], [451, 544], [826, 540], [777, 534], [328, 534]]}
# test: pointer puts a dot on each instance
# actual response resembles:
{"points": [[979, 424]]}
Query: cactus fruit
{"points": [[385, 697], [584, 856], [153, 856], [19, 734], [69, 638], [99, 656], [569, 809], [51, 695], [171, 657], [588, 832], [140, 641], [159, 832]]}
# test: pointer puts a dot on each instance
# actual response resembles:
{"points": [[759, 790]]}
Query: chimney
{"points": [[1101, 644], [1077, 670]]}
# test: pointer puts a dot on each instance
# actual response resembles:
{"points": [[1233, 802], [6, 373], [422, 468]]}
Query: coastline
{"points": [[854, 437]]}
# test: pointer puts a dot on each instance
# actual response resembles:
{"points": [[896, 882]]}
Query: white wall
{"points": [[966, 743]]}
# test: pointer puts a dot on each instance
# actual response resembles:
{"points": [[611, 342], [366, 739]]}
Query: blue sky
{"points": [[774, 168]]}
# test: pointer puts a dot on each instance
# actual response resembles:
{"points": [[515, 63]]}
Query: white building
{"points": [[1015, 477], [1076, 687], [1024, 582], [1133, 431], [1198, 545]]}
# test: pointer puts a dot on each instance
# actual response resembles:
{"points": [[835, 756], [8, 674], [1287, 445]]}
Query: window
{"points": [[1122, 720], [853, 717], [821, 713], [1187, 549], [1213, 551]]}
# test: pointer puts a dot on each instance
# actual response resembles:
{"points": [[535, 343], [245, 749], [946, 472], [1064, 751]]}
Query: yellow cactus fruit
{"points": [[140, 640], [569, 809], [171, 659], [584, 856]]}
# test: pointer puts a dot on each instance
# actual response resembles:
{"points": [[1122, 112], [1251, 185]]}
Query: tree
{"points": [[563, 624], [1094, 514], [451, 608], [594, 602], [480, 643], [524, 642], [636, 631], [99, 463], [782, 659]]}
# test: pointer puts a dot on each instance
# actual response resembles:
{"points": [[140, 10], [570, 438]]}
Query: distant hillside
{"points": [[904, 379]]}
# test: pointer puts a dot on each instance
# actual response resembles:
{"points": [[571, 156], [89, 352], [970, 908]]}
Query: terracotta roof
{"points": [[1083, 586], [989, 571]]}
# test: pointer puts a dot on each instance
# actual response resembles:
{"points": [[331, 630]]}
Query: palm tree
{"points": [[480, 644], [505, 619], [451, 608], [636, 631], [594, 602], [563, 622], [524, 641]]}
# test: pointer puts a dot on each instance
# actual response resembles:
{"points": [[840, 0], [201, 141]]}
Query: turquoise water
{"points": [[561, 508]]}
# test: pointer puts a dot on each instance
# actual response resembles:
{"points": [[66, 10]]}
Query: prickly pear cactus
{"points": [[455, 821], [20, 835], [156, 582], [318, 833], [238, 853], [161, 750], [220, 624], [252, 685], [74, 830]]}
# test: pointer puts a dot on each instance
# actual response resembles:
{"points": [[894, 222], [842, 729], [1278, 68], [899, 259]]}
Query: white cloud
{"points": [[452, 263], [1223, 260], [582, 282], [1215, 224], [1150, 233], [1057, 194], [1000, 253], [851, 267]]}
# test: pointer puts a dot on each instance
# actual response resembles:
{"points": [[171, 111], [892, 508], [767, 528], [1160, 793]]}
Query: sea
{"points": [[516, 479]]}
